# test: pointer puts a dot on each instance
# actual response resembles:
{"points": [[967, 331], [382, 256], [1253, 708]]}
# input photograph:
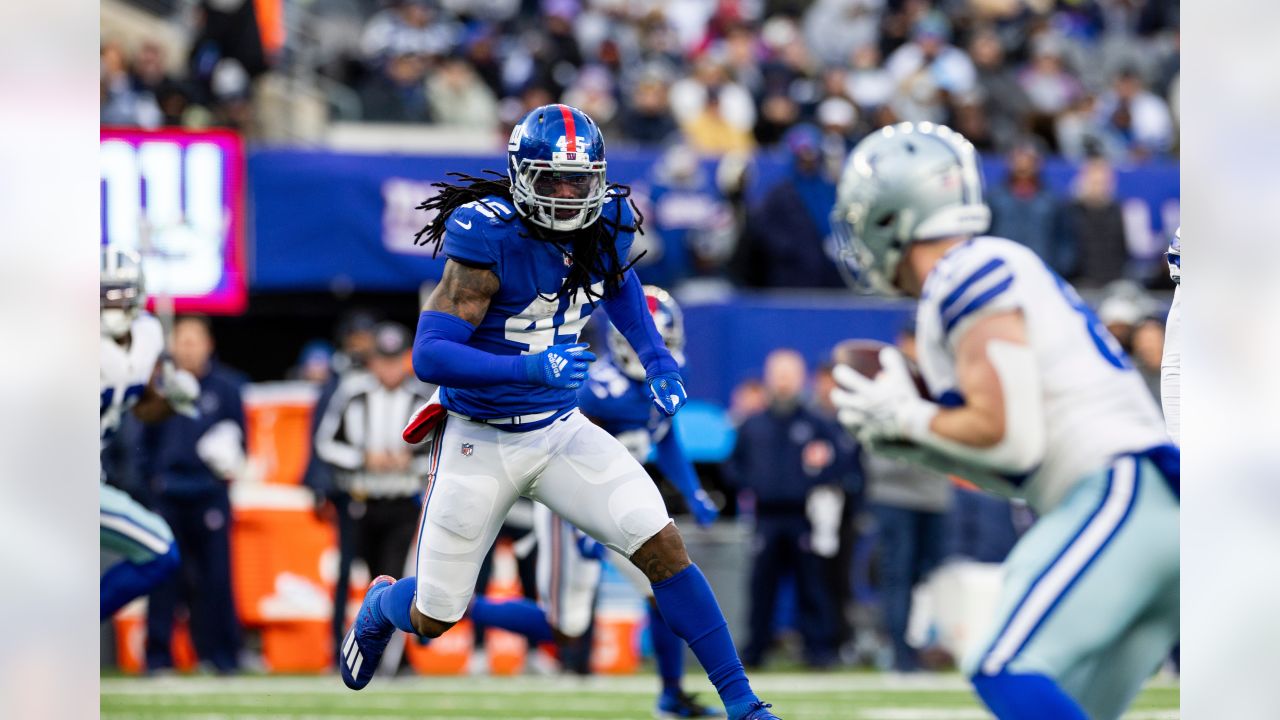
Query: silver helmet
{"points": [[123, 292], [669, 320], [902, 184]]}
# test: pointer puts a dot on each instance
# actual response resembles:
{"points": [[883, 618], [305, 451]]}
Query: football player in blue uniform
{"points": [[616, 398], [529, 256]]}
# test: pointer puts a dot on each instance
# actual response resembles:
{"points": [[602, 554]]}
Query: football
{"points": [[864, 356]]}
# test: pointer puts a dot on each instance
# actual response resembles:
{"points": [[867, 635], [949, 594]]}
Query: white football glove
{"points": [[221, 448], [180, 389], [886, 409]]}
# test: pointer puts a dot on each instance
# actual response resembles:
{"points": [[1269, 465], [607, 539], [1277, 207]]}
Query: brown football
{"points": [[864, 356]]}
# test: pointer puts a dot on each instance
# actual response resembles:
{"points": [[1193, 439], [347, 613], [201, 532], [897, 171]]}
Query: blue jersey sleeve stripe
{"points": [[963, 287], [978, 302]]}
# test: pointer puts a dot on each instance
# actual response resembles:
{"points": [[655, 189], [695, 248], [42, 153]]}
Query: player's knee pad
{"points": [[637, 514], [1030, 696], [463, 510], [445, 588]]}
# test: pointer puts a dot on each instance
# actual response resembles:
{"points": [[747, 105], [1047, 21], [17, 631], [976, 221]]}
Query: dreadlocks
{"points": [[592, 250]]}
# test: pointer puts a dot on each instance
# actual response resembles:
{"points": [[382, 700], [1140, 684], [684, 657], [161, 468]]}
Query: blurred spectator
{"points": [[406, 28], [870, 85], [778, 113], [314, 364], [397, 91], [689, 226], [1004, 104], [910, 505], [780, 456], [783, 244], [191, 462], [646, 117], [712, 133], [749, 398], [1051, 89], [835, 28], [592, 93], [149, 75], [1023, 209], [458, 98], [837, 117], [927, 70], [359, 436], [710, 93], [1134, 122], [1094, 226], [122, 101]]}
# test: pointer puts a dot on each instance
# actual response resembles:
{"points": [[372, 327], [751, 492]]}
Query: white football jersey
{"points": [[126, 371], [1096, 405]]}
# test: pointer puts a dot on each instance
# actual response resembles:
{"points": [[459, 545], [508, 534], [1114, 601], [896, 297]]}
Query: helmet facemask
{"points": [[559, 195]]}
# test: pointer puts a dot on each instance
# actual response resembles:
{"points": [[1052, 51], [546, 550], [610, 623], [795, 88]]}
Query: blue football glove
{"points": [[703, 509], [667, 391], [560, 366]]}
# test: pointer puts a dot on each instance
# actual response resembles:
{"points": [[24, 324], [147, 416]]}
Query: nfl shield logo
{"points": [[467, 449]]}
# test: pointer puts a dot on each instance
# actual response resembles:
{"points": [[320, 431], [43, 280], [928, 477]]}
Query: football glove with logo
{"points": [[667, 391], [560, 366]]}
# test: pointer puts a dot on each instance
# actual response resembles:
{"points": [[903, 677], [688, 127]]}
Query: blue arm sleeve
{"points": [[441, 356], [676, 467], [629, 312]]}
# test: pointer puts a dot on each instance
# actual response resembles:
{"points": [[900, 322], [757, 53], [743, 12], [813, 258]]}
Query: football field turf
{"points": [[824, 696]]}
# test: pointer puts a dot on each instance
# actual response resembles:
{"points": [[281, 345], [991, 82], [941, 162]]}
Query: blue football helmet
{"points": [[669, 320], [556, 166]]}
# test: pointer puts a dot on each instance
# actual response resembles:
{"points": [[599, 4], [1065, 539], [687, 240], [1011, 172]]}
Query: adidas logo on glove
{"points": [[557, 363]]}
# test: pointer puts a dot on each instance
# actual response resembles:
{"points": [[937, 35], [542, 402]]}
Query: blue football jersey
{"points": [[524, 317], [621, 405]]}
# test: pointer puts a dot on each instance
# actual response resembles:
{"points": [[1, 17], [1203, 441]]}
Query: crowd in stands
{"points": [[1085, 77]]}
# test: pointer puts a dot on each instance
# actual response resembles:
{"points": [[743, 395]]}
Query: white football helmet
{"points": [[123, 292], [670, 322], [905, 183]]}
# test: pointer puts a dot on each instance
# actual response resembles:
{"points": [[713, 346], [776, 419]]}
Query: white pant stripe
{"points": [[137, 533], [1064, 570]]}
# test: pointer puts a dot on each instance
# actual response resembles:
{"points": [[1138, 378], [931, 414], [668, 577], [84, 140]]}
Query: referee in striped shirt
{"points": [[359, 436]]}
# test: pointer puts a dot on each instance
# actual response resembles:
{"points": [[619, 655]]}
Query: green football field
{"points": [[824, 696]]}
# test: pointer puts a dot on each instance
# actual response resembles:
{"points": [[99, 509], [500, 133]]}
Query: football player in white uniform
{"points": [[1030, 397], [134, 379], [1171, 363]]}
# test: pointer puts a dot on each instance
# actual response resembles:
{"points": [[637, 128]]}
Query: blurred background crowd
{"points": [[730, 120], [1081, 77]]}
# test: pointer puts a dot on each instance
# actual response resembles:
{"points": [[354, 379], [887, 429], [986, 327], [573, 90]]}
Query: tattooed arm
{"points": [[458, 305], [464, 292]]}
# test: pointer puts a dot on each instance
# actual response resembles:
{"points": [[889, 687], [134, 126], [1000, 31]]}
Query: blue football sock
{"points": [[519, 616], [1026, 697], [668, 650], [396, 602], [127, 580], [692, 613]]}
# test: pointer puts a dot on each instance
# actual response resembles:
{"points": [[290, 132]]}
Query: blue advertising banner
{"points": [[329, 221]]}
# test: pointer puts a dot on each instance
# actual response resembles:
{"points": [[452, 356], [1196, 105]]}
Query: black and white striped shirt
{"points": [[364, 416]]}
